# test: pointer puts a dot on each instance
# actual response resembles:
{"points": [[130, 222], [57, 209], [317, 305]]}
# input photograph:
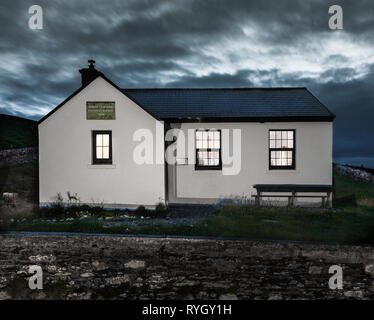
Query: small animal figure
{"points": [[73, 197]]}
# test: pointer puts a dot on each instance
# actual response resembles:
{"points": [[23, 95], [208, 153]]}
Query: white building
{"points": [[91, 144]]}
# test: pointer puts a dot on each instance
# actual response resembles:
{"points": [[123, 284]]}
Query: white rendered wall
{"points": [[65, 153], [313, 161]]}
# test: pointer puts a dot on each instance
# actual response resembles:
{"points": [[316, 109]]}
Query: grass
{"points": [[346, 186], [347, 222], [16, 132]]}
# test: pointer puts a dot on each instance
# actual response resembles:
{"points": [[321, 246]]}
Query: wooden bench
{"points": [[294, 189]]}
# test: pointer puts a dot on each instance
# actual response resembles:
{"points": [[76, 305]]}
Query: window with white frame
{"points": [[282, 149], [102, 147], [208, 149]]}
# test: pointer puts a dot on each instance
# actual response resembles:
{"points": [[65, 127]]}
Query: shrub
{"points": [[141, 210], [80, 210], [55, 210], [161, 208]]}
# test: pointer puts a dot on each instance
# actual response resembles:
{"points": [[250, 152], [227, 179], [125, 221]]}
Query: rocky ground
{"points": [[18, 156], [105, 267], [357, 174]]}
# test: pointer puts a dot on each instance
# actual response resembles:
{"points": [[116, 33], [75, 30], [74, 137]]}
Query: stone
{"points": [[369, 268], [315, 270], [228, 296], [354, 294], [99, 266], [135, 264], [118, 280], [4, 296], [40, 258], [87, 275]]}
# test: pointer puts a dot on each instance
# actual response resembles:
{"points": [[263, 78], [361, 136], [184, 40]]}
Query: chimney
{"points": [[89, 74]]}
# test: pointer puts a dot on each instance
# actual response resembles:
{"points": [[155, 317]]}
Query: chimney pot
{"points": [[89, 74]]}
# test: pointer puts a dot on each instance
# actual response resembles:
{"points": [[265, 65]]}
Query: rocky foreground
{"points": [[106, 267]]}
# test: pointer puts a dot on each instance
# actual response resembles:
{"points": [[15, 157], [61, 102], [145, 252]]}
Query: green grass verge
{"points": [[343, 224]]}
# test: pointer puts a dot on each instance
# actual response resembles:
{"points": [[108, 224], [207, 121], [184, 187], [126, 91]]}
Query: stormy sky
{"points": [[190, 43]]}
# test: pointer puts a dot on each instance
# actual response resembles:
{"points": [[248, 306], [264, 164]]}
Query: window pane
{"points": [[210, 135], [278, 162], [210, 144], [272, 135], [106, 140], [284, 143], [290, 143], [99, 152], [199, 144], [290, 134], [217, 135], [273, 162], [105, 152], [199, 135], [216, 144], [284, 162], [278, 135], [284, 154], [289, 162], [99, 140], [205, 135], [272, 155], [278, 143], [272, 143], [289, 154], [284, 134]]}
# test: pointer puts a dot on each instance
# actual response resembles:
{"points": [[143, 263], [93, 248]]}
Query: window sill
{"points": [[101, 166], [282, 170]]}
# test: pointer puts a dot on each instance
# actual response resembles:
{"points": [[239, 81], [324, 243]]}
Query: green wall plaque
{"points": [[101, 111]]}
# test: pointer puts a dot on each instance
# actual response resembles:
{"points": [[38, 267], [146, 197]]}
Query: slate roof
{"points": [[222, 105], [249, 104]]}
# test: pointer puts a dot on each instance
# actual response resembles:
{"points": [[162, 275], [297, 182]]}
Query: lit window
{"points": [[102, 147], [281, 149], [208, 149]]}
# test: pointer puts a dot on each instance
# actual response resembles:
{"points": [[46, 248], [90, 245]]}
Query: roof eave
{"points": [[251, 119]]}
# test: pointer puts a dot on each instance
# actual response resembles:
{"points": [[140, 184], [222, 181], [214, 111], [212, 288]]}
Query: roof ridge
{"points": [[213, 89]]}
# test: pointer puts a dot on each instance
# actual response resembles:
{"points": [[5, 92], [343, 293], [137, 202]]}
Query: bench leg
{"points": [[327, 202], [323, 204], [293, 199], [257, 199]]}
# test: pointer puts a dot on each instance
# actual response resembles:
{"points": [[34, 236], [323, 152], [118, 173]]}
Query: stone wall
{"points": [[106, 267], [356, 174], [18, 156]]}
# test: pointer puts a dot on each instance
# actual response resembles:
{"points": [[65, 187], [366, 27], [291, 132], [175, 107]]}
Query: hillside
{"points": [[16, 132]]}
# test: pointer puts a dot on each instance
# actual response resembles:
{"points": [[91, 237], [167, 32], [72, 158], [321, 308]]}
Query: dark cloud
{"points": [[193, 43]]}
